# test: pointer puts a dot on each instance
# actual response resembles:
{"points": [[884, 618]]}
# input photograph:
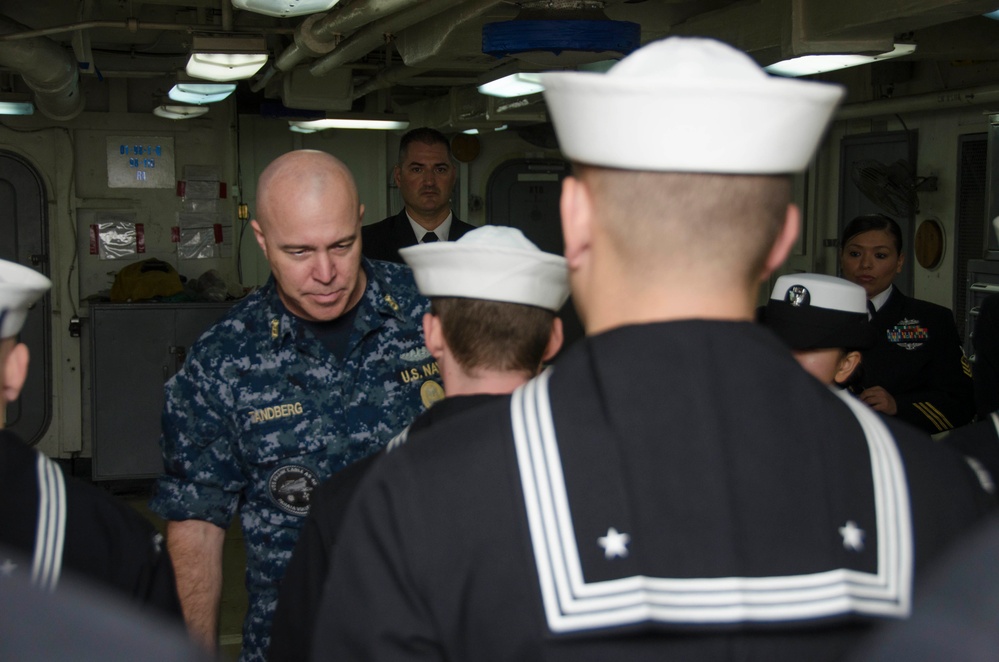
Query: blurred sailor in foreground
{"points": [[823, 319], [53, 526], [493, 297], [676, 487]]}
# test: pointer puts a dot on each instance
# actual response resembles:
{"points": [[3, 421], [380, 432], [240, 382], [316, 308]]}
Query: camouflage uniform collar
{"points": [[282, 324], [379, 293], [377, 302]]}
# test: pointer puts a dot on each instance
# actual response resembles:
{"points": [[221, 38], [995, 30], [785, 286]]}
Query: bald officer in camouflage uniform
{"points": [[317, 369]]}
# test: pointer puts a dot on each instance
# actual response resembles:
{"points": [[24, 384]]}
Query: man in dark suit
{"points": [[425, 175]]}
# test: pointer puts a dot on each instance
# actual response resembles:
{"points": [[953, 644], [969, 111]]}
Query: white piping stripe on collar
{"points": [[571, 603], [50, 530]]}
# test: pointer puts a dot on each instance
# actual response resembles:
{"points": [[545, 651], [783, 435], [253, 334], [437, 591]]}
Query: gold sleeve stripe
{"points": [[932, 413], [966, 366]]}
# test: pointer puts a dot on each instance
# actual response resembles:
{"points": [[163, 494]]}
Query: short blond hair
{"points": [[652, 218]]}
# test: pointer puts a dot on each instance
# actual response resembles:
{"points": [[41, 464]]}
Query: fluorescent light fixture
{"points": [[225, 66], [376, 122], [292, 126], [16, 104], [807, 65], [200, 93], [994, 15], [284, 7], [514, 85], [226, 58], [475, 132], [177, 112]]}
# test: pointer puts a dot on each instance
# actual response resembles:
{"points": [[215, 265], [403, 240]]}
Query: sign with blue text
{"points": [[140, 162]]}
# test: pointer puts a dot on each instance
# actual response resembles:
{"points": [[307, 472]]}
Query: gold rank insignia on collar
{"points": [[391, 302], [275, 328]]}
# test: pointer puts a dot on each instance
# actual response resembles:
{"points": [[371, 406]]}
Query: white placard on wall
{"points": [[140, 162]]}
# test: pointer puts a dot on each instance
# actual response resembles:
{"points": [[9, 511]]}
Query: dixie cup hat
{"points": [[816, 311], [492, 263], [20, 287], [689, 104]]}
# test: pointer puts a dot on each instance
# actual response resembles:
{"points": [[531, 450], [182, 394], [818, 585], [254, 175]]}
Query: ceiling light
{"points": [[284, 7], [807, 65], [177, 112], [294, 126], [994, 15], [475, 132], [356, 121], [514, 85], [226, 58], [201, 92], [16, 104]]}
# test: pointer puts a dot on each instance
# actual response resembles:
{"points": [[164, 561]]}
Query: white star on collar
{"points": [[853, 536], [615, 544]]}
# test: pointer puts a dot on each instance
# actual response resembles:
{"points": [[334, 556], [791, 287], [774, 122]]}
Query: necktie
{"points": [[429, 237], [870, 309]]}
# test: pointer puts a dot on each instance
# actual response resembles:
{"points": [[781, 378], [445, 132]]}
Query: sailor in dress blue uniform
{"points": [[676, 487]]}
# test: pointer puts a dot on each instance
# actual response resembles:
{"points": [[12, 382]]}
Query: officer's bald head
{"points": [[302, 178]]}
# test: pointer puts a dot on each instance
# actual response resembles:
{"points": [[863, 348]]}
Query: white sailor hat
{"points": [[816, 311], [494, 263], [689, 104], [19, 288]]}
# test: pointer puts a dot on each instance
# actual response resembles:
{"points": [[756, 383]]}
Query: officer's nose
{"points": [[324, 270]]}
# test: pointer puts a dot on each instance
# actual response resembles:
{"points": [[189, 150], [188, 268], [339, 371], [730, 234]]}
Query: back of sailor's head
{"points": [[496, 294], [687, 147]]}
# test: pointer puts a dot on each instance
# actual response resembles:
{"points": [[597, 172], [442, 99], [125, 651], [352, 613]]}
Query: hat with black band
{"points": [[817, 311]]}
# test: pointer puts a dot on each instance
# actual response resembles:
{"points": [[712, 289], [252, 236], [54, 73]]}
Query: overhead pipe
{"points": [[133, 25], [943, 100], [432, 42], [47, 68], [373, 34], [386, 78], [319, 34]]}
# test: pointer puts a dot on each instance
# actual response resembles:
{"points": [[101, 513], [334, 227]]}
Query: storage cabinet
{"points": [[134, 349]]}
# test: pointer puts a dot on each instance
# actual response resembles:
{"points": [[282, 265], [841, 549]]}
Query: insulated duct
{"points": [[47, 68]]}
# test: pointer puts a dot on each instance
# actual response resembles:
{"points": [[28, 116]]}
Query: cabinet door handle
{"points": [[179, 354]]}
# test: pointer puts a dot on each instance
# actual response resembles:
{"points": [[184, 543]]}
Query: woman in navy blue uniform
{"points": [[916, 371]]}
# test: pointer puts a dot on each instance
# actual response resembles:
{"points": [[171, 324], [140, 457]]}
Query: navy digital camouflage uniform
{"points": [[261, 413]]}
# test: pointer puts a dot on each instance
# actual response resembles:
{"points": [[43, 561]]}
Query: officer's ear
{"points": [[259, 234], [14, 358]]}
